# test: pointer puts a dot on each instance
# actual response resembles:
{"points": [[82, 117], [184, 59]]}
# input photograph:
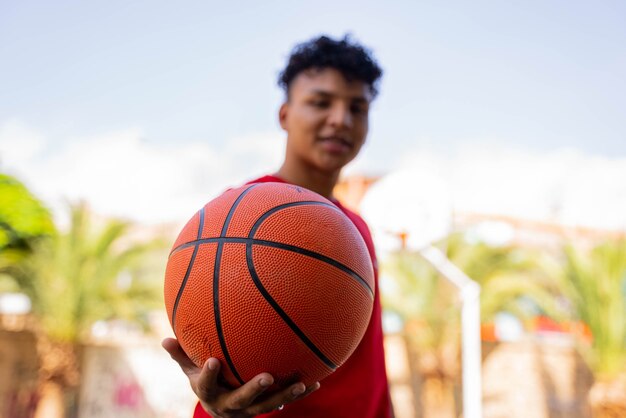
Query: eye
{"points": [[321, 104], [358, 109]]}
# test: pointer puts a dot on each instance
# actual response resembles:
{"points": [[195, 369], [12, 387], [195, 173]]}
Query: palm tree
{"points": [[594, 282], [431, 316], [511, 280], [74, 279], [23, 221]]}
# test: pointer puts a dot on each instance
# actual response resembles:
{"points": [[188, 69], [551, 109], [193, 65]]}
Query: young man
{"points": [[329, 86]]}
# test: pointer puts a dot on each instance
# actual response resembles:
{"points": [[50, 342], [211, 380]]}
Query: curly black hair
{"points": [[353, 60]]}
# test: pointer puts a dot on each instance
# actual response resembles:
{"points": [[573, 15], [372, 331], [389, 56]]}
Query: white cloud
{"points": [[120, 174], [18, 144], [564, 187]]}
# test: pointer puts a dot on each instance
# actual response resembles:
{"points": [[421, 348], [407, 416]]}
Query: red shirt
{"points": [[359, 388]]}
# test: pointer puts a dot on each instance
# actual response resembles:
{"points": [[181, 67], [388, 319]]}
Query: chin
{"points": [[332, 167]]}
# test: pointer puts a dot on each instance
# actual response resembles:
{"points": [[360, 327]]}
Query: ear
{"points": [[282, 115]]}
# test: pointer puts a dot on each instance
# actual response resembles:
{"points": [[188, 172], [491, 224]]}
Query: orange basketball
{"points": [[270, 277]]}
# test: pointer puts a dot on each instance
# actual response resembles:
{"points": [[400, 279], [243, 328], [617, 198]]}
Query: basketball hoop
{"points": [[410, 210]]}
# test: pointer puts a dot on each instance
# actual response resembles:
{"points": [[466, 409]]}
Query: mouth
{"points": [[336, 144]]}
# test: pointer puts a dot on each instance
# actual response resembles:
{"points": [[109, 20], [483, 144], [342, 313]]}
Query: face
{"points": [[326, 120]]}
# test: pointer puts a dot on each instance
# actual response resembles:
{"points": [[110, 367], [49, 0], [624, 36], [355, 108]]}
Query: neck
{"points": [[320, 182]]}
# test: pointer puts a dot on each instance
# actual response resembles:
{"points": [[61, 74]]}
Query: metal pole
{"points": [[470, 328]]}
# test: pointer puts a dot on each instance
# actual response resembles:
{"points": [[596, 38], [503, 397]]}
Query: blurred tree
{"points": [[23, 221], [511, 280], [594, 282], [75, 278], [428, 305]]}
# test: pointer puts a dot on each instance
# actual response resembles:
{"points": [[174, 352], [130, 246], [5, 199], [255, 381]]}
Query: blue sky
{"points": [[534, 74], [198, 78]]}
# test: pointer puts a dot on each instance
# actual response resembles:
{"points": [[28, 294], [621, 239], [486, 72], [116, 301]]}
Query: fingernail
{"points": [[212, 365], [298, 390], [264, 382]]}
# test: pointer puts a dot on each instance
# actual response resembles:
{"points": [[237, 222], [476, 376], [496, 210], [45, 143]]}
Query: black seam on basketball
{"points": [[285, 247], [258, 222], [319, 257], [275, 209], [201, 226], [216, 284], [216, 313], [283, 314], [231, 212], [301, 250], [188, 272]]}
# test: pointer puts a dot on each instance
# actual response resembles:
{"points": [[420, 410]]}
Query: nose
{"points": [[340, 116]]}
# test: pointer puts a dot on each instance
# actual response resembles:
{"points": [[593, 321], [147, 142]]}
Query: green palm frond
{"points": [[421, 297], [75, 276], [594, 281], [512, 279]]}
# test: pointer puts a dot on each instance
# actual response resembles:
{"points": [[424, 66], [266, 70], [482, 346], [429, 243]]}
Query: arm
{"points": [[222, 402]]}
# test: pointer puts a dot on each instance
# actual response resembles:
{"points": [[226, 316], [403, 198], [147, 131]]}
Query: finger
{"points": [[244, 396], [175, 351], [290, 394], [206, 384], [315, 386]]}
